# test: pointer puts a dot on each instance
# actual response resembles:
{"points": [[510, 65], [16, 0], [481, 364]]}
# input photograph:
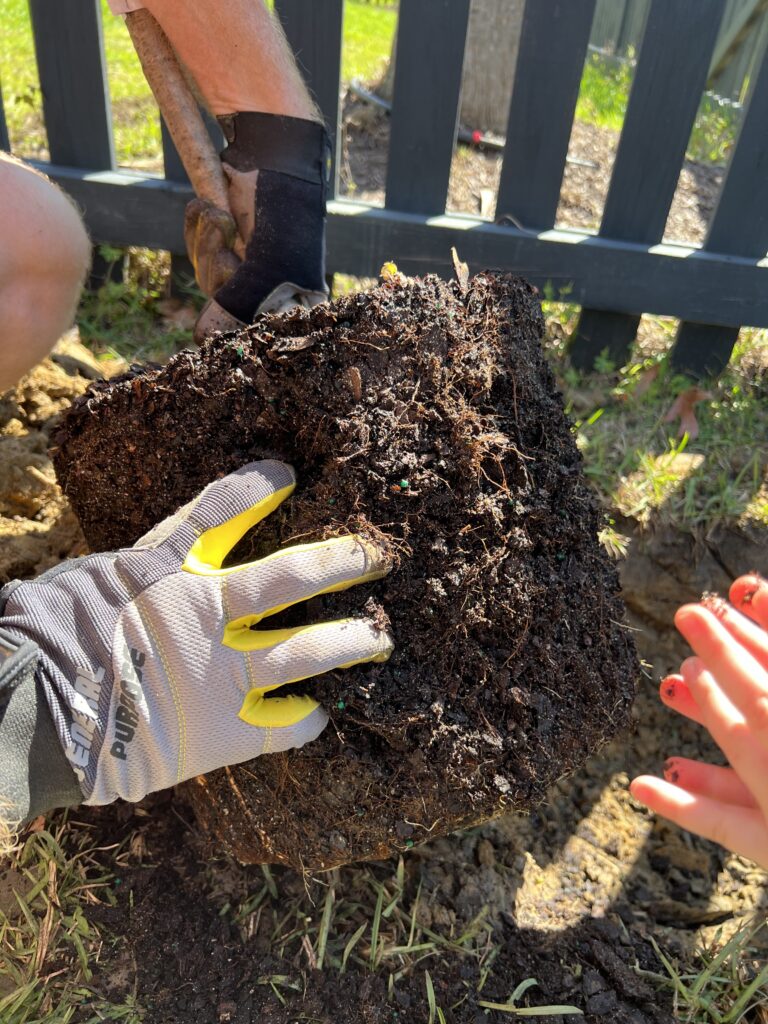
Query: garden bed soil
{"points": [[423, 413], [475, 174], [37, 526]]}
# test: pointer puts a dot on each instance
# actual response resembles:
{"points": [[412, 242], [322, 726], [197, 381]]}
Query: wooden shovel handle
{"points": [[179, 108]]}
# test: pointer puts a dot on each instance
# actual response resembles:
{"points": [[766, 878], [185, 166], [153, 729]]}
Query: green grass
{"points": [[126, 319], [368, 33], [48, 948], [604, 92], [727, 982], [640, 467]]}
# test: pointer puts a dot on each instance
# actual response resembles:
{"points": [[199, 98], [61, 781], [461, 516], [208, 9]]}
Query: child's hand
{"points": [[724, 689]]}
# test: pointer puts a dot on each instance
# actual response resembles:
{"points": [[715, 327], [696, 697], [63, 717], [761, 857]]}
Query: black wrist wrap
{"points": [[292, 157], [35, 776], [273, 142]]}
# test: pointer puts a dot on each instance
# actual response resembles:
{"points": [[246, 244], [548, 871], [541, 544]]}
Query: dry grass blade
{"points": [[325, 926], [373, 958], [44, 935], [532, 1011], [431, 1002]]}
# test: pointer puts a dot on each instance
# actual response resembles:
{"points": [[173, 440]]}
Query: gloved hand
{"points": [[276, 169], [213, 244], [147, 658]]}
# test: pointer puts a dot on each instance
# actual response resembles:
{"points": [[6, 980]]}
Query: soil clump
{"points": [[424, 413]]}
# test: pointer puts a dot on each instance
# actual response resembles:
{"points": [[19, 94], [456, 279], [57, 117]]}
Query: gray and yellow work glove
{"points": [[145, 665], [268, 255]]}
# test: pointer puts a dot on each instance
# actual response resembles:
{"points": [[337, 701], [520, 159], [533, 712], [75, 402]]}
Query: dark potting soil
{"points": [[423, 412], [188, 959]]}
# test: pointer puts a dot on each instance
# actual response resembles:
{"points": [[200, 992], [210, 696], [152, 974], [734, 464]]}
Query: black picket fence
{"points": [[615, 275]]}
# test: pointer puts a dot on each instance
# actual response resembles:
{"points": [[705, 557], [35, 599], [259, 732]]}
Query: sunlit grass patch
{"points": [[48, 948], [641, 466], [368, 34], [726, 983]]}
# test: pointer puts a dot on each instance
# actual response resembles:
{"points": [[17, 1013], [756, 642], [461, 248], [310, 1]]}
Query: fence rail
{"points": [[615, 275]]}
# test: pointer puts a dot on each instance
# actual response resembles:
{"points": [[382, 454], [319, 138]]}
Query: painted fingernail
{"points": [[749, 594], [671, 773]]}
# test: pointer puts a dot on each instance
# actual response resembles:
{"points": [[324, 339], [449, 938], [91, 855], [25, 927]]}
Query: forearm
{"points": [[238, 56]]}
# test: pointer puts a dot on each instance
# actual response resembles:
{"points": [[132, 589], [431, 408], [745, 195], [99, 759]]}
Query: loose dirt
{"points": [[424, 413], [37, 526]]}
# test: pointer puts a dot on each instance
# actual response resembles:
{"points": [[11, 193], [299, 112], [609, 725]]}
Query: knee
{"points": [[43, 234], [44, 257], [74, 258]]}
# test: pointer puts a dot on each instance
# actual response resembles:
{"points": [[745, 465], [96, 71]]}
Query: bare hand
{"points": [[725, 689]]}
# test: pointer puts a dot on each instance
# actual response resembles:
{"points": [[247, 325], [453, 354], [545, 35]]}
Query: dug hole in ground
{"points": [[570, 895]]}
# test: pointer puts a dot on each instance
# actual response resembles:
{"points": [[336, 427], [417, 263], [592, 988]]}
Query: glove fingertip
{"points": [[302, 732], [279, 474]]}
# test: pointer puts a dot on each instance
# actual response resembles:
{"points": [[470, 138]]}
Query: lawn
{"points": [[368, 33], [643, 470]]}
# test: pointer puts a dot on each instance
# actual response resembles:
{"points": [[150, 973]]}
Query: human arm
{"points": [[724, 687], [274, 169]]}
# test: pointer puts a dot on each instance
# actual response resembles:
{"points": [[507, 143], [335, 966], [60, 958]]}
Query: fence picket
{"points": [[314, 32], [5, 142], [431, 35], [739, 227], [613, 273], [550, 62], [68, 35], [663, 102]]}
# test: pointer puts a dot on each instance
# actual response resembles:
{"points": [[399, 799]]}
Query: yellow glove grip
{"points": [[277, 712], [282, 711], [212, 547]]}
